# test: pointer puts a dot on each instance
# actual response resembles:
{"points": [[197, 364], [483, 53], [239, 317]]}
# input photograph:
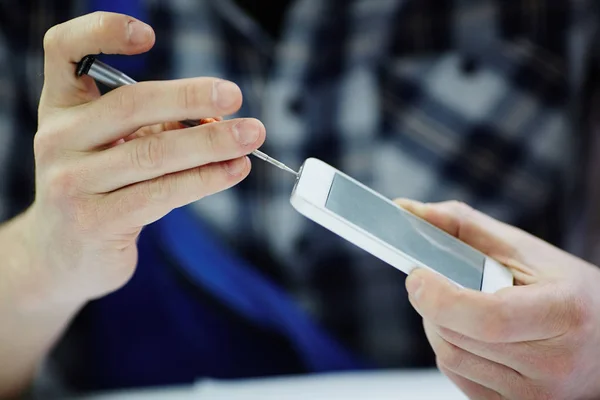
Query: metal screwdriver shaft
{"points": [[114, 78], [273, 161], [255, 153]]}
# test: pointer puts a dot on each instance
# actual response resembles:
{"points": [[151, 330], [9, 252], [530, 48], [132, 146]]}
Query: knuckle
{"points": [[149, 153], [125, 205], [157, 190], [51, 38], [42, 145], [61, 183], [126, 103], [562, 369], [104, 23], [211, 139], [559, 364], [202, 179], [450, 357], [97, 23], [84, 214], [63, 192], [189, 97], [579, 312], [48, 136], [459, 206], [451, 336], [463, 210]]}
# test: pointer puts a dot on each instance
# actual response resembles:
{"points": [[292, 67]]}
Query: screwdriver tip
{"points": [[274, 162]]}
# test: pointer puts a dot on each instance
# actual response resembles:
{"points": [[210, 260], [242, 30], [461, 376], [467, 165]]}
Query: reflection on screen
{"points": [[406, 232]]}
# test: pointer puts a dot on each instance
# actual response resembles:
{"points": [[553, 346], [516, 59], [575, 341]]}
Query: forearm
{"points": [[31, 320]]}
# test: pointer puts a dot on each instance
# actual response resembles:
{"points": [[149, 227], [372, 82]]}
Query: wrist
{"points": [[30, 284]]}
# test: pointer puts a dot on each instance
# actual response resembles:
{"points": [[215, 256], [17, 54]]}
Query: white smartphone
{"points": [[377, 225]]}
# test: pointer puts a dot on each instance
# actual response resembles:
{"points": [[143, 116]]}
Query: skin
{"points": [[105, 167], [537, 340]]}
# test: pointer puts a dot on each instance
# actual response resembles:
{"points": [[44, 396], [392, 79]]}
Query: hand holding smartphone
{"points": [[377, 225]]}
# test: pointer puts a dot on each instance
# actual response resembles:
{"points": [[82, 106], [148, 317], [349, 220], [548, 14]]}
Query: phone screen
{"points": [[406, 232]]}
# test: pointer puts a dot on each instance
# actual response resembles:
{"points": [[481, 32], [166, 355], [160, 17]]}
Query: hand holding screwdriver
{"points": [[114, 78], [107, 165]]}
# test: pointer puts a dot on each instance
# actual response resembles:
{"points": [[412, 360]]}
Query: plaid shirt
{"points": [[480, 101]]}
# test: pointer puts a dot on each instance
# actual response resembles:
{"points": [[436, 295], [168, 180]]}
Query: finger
{"points": [[163, 153], [537, 360], [525, 254], [474, 391], [126, 109], [515, 314], [486, 234], [66, 44], [145, 202], [486, 373]]}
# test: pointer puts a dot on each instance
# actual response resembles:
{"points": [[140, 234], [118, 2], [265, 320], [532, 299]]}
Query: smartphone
{"points": [[377, 225]]}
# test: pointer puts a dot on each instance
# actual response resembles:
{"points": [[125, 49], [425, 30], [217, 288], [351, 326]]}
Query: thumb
{"points": [[478, 230], [66, 44], [520, 313], [525, 254]]}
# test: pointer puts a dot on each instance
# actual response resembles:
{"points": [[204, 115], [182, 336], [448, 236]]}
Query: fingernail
{"points": [[235, 167], [414, 286], [225, 94], [246, 132], [139, 33]]}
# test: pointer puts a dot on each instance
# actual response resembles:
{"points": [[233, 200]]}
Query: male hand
{"points": [[108, 165], [537, 340]]}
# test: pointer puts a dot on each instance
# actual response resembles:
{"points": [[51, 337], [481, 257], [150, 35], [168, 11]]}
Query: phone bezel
{"points": [[309, 198]]}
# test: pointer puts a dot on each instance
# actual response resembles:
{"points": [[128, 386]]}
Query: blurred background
{"points": [[480, 101]]}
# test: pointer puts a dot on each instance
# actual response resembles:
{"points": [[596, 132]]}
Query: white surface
{"points": [[309, 198], [495, 276], [351, 386]]}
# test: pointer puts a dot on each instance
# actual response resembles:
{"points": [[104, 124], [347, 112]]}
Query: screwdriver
{"points": [[113, 78]]}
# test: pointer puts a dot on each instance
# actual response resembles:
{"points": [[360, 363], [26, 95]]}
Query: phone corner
{"points": [[495, 276]]}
